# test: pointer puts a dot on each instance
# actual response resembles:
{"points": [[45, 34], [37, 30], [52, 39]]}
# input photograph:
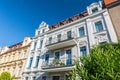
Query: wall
{"points": [[115, 17]]}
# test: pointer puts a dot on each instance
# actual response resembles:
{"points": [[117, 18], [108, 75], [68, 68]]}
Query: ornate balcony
{"points": [[54, 65], [62, 41]]}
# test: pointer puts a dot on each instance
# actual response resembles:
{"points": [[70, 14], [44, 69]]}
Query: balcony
{"points": [[60, 42], [54, 65], [101, 36]]}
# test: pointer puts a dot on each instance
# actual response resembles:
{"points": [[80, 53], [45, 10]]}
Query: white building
{"points": [[68, 40], [32, 69]]}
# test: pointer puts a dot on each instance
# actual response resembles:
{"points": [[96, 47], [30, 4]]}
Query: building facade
{"points": [[32, 69], [67, 40], [12, 59], [113, 7]]}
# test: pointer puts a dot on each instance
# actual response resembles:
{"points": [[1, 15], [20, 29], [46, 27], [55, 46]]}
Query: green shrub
{"points": [[102, 64], [6, 76]]}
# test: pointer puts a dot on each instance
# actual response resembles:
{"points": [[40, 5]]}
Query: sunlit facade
{"points": [[12, 58], [54, 48]]}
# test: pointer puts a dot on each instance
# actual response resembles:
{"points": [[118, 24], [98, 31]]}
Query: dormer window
{"points": [[43, 30], [94, 10], [94, 7]]}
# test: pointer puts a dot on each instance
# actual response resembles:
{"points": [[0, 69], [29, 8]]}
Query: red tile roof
{"points": [[68, 20], [107, 2], [15, 46]]}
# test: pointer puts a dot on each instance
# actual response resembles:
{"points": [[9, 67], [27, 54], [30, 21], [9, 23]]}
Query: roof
{"points": [[15, 46], [107, 2], [68, 20]]}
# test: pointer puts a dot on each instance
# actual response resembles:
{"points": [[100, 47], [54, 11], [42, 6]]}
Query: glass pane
{"points": [[83, 50], [35, 44], [103, 43], [37, 61], [59, 37], [98, 26], [68, 34], [56, 77], [95, 10], [50, 40], [68, 57], [26, 78], [34, 78], [47, 59], [57, 55], [44, 78], [38, 32], [41, 42], [81, 31], [43, 30], [30, 64]]}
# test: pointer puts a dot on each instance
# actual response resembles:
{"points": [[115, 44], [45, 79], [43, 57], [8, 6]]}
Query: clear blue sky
{"points": [[20, 18]]}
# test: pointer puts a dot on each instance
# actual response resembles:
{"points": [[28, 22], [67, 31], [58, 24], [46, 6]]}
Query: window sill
{"points": [[82, 36], [99, 32], [35, 67], [28, 67]]}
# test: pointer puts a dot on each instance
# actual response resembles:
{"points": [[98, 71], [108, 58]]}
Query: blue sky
{"points": [[20, 18]]}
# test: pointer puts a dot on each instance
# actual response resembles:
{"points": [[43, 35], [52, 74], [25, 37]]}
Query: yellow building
{"points": [[12, 59]]}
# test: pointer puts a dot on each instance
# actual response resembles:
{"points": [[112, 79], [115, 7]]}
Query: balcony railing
{"points": [[61, 38], [57, 63]]}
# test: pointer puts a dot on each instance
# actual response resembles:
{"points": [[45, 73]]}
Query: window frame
{"points": [[41, 43], [37, 61], [83, 52], [69, 36], [55, 54], [50, 40], [83, 31], [97, 27], [59, 37], [30, 62], [94, 9]]}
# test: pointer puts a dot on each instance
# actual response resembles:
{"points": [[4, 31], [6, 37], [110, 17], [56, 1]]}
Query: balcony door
{"points": [[59, 38], [57, 55], [68, 57], [56, 78], [47, 59], [69, 36]]}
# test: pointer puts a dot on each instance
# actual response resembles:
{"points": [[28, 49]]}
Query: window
{"points": [[81, 32], [44, 78], [68, 34], [83, 50], [94, 10], [30, 62], [103, 43], [59, 37], [35, 44], [47, 59], [26, 78], [68, 57], [37, 61], [41, 43], [43, 30], [50, 40], [57, 55], [34, 78], [98, 26], [38, 32], [56, 77]]}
